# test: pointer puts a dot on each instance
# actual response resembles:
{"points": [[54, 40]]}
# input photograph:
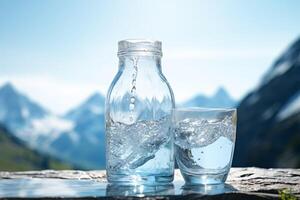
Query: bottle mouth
{"points": [[140, 47]]}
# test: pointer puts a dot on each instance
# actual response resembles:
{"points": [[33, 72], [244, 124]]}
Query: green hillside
{"points": [[16, 156]]}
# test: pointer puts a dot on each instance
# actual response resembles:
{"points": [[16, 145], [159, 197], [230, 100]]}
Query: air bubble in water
{"points": [[133, 82], [132, 100], [133, 88], [131, 106]]}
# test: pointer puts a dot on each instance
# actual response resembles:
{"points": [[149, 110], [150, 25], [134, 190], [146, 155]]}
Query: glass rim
{"points": [[204, 109]]}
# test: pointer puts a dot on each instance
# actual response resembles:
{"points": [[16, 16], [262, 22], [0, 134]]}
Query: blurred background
{"points": [[58, 58]]}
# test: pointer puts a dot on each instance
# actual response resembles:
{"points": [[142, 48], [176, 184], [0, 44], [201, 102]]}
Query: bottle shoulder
{"points": [[144, 86], [142, 97]]}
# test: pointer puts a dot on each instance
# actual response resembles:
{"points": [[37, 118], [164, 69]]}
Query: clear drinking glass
{"points": [[204, 143], [139, 103]]}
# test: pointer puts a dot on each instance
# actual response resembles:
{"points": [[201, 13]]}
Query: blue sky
{"points": [[59, 52]]}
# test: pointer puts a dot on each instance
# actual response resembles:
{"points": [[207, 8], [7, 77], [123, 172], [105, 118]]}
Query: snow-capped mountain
{"points": [[77, 137], [16, 110], [220, 99], [28, 120], [269, 117], [93, 105], [86, 142]]}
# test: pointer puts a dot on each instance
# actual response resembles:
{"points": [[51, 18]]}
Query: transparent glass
{"points": [[139, 103], [204, 143]]}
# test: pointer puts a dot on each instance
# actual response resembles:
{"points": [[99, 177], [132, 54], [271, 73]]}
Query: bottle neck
{"points": [[140, 62]]}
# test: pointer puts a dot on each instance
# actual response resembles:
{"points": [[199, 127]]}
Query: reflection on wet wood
{"points": [[242, 183]]}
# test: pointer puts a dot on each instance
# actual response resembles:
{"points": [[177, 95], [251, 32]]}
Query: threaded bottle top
{"points": [[140, 47]]}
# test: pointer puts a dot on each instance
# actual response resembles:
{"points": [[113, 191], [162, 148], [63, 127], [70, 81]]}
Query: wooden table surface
{"points": [[242, 183]]}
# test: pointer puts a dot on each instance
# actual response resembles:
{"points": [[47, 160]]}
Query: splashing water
{"points": [[191, 133], [203, 144], [132, 146]]}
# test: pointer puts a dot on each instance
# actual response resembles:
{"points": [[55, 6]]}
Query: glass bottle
{"points": [[139, 102]]}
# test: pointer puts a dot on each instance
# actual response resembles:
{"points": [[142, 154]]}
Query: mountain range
{"points": [[220, 99], [76, 137], [269, 117]]}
